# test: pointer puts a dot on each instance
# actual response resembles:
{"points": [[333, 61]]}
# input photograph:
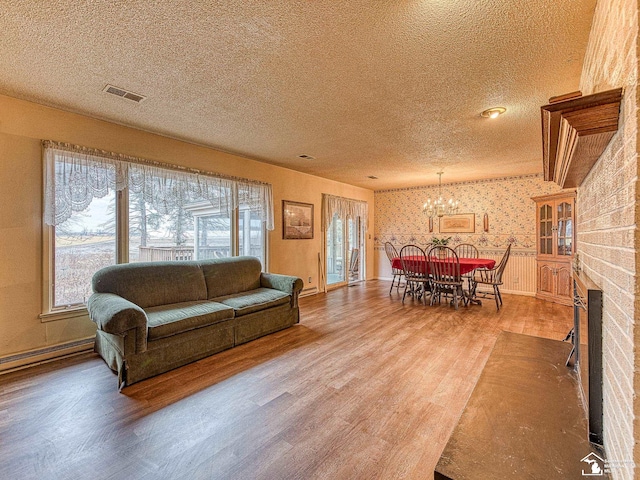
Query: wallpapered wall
{"points": [[507, 202], [511, 217]]}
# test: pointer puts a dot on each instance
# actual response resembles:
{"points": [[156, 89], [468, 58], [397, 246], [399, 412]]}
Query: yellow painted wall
{"points": [[24, 124]]}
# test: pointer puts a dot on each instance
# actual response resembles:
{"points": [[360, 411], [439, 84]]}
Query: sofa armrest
{"points": [[285, 283], [116, 315]]}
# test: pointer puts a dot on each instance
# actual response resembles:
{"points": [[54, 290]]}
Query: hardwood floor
{"points": [[364, 387]]}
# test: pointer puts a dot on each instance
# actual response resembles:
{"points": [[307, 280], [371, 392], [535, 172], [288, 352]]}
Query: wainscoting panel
{"points": [[520, 274]]}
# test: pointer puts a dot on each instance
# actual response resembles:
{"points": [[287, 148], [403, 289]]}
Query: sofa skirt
{"points": [[183, 348], [258, 324]]}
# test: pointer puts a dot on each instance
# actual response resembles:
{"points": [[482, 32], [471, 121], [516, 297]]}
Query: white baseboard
{"points": [[308, 291], [518, 292], [43, 355]]}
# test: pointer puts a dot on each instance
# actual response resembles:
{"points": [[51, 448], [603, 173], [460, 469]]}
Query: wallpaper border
{"points": [[469, 182]]}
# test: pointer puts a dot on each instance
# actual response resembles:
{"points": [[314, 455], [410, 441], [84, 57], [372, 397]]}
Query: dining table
{"points": [[467, 265]]}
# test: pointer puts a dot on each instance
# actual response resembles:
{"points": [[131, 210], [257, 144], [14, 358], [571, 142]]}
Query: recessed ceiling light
{"points": [[494, 112], [306, 157]]}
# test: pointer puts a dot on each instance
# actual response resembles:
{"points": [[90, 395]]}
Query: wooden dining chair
{"points": [[491, 277], [415, 271], [392, 254], [444, 267], [466, 250]]}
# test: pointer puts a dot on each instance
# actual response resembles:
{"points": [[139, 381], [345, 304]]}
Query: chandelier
{"points": [[438, 207]]}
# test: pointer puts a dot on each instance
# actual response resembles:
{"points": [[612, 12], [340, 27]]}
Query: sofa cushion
{"points": [[167, 320], [226, 276], [148, 284], [245, 303]]}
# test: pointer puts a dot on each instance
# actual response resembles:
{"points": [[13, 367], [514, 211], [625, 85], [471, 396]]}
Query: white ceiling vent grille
{"points": [[121, 92]]}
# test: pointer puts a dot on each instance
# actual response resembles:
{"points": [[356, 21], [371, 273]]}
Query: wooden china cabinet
{"points": [[555, 233]]}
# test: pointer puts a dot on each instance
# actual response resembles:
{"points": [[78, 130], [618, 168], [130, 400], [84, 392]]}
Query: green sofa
{"points": [[156, 316]]}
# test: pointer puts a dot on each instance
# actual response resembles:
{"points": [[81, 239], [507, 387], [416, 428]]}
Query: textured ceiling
{"points": [[387, 88]]}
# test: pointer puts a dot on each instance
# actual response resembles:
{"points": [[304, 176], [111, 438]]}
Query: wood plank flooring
{"points": [[363, 388]]}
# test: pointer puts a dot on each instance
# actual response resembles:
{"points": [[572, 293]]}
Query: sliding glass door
{"points": [[345, 250], [335, 252], [355, 236]]}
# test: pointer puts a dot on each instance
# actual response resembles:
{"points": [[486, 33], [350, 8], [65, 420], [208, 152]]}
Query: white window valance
{"points": [[344, 207], [75, 175]]}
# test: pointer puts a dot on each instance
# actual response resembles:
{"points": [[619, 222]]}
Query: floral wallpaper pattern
{"points": [[507, 202]]}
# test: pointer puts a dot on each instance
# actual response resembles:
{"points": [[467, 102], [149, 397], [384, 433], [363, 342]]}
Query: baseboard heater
{"points": [[43, 355]]}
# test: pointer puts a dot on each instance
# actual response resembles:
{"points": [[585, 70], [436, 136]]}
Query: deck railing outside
{"points": [[159, 254]]}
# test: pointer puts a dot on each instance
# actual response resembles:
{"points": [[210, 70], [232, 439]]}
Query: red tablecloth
{"points": [[466, 264]]}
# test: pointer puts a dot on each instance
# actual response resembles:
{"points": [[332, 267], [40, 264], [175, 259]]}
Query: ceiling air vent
{"points": [[120, 92]]}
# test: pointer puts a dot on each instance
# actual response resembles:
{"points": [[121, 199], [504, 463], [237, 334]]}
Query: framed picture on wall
{"points": [[462, 223], [297, 220]]}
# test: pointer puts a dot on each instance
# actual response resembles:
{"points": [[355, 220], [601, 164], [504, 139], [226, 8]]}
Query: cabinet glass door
{"points": [[545, 242], [565, 229]]}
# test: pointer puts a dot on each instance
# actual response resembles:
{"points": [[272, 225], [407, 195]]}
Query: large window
{"points": [[214, 236], [84, 243], [157, 237], [102, 209], [250, 234]]}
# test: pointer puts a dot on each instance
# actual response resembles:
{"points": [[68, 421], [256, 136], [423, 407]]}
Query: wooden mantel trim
{"points": [[554, 196], [575, 132]]}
